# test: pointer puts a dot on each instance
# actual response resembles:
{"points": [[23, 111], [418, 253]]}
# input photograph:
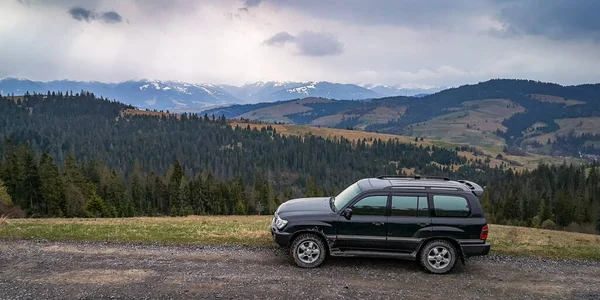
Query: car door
{"points": [[451, 217], [366, 228], [409, 221]]}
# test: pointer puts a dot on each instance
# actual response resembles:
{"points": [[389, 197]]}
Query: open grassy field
{"points": [[277, 113], [254, 230], [474, 123], [379, 115]]}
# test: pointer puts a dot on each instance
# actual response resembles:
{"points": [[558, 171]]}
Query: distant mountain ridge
{"points": [[183, 96], [403, 90]]}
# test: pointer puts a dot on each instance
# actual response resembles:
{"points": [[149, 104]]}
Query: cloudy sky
{"points": [[430, 42]]}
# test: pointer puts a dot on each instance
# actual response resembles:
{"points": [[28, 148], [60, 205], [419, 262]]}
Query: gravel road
{"points": [[76, 270]]}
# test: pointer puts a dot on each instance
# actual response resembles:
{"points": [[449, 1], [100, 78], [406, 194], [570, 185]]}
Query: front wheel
{"points": [[308, 251], [438, 257]]}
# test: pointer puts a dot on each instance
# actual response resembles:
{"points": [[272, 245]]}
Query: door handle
{"points": [[423, 224], [378, 223]]}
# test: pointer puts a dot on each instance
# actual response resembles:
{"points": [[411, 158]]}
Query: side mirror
{"points": [[347, 213]]}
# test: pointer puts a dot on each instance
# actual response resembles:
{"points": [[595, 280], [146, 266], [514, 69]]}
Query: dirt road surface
{"points": [[76, 270]]}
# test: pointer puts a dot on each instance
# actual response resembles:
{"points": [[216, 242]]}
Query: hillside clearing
{"points": [[474, 123], [556, 99], [278, 112], [139, 112], [254, 230], [576, 126]]}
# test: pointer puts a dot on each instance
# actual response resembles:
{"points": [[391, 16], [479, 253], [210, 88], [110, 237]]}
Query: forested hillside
{"points": [[521, 114], [75, 155]]}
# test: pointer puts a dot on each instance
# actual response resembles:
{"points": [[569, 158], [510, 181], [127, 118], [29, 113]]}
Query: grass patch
{"points": [[254, 230], [534, 242], [231, 230]]}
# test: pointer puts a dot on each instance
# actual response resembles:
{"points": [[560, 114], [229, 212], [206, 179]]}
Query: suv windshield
{"points": [[346, 195]]}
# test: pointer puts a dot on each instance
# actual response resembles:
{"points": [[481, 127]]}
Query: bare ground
{"points": [[75, 270]]}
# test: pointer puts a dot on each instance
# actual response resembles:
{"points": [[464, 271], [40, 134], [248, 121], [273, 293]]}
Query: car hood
{"points": [[314, 204]]}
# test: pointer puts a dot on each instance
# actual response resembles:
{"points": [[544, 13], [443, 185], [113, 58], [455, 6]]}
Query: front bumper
{"points": [[476, 249], [281, 238]]}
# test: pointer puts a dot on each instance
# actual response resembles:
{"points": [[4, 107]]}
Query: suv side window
{"points": [[409, 206], [370, 206], [451, 206]]}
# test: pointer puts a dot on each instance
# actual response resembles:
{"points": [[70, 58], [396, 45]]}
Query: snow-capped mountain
{"points": [[150, 94], [403, 90], [277, 91], [183, 96], [260, 91]]}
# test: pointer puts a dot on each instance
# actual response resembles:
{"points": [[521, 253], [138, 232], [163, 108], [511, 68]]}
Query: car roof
{"points": [[418, 183]]}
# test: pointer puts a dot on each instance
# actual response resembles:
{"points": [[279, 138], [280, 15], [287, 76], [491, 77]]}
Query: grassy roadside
{"points": [[194, 230], [253, 230]]}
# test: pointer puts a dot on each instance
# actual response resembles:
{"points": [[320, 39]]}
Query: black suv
{"points": [[433, 220]]}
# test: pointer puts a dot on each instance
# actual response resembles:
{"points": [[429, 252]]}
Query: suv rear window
{"points": [[450, 206], [408, 206]]}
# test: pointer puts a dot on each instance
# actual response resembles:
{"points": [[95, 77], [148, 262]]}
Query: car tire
{"points": [[308, 250], [438, 257]]}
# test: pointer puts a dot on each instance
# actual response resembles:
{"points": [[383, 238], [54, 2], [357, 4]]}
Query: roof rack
{"points": [[422, 187], [411, 177]]}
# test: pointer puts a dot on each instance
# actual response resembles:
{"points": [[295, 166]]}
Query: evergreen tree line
{"points": [[552, 197], [33, 188], [577, 144]]}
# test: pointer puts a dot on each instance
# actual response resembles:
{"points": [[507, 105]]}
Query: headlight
{"points": [[279, 222]]}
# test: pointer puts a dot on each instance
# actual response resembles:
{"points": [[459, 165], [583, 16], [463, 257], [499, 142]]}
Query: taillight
{"points": [[484, 233]]}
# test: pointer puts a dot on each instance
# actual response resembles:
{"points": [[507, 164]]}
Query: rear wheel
{"points": [[308, 250], [438, 257]]}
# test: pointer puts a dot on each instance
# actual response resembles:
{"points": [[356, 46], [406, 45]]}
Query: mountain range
{"points": [[192, 97]]}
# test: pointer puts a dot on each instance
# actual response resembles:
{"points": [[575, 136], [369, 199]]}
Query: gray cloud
{"points": [[82, 14], [249, 4], [279, 39], [554, 19], [252, 3], [111, 17], [309, 43]]}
